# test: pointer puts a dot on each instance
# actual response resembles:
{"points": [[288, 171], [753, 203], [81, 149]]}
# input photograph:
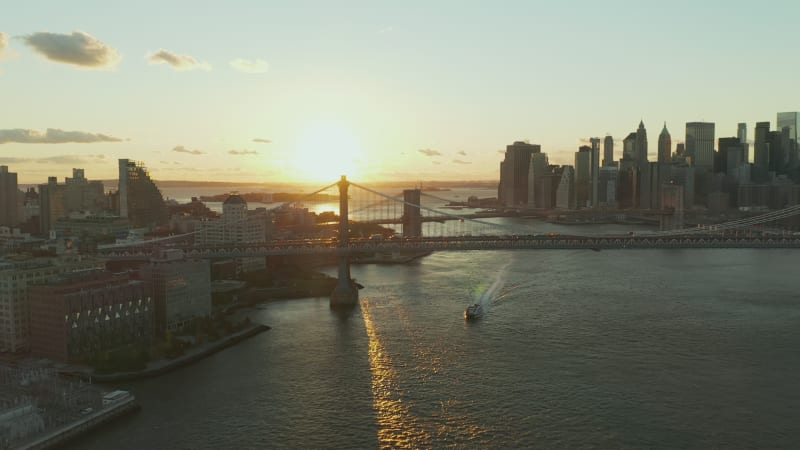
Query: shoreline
{"points": [[162, 367]]}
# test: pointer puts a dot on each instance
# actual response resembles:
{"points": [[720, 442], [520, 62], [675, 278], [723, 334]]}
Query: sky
{"points": [[264, 91]]}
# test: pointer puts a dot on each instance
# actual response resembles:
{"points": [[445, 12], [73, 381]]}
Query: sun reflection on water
{"points": [[397, 426]]}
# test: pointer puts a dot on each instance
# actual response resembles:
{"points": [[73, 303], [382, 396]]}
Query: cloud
{"points": [[178, 62], [462, 153], [385, 30], [242, 152], [78, 49], [3, 42], [60, 159], [501, 151], [52, 136], [182, 149], [458, 161], [436, 163], [262, 141], [429, 152], [250, 66]]}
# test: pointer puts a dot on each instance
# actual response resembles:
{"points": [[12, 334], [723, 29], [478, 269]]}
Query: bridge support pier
{"points": [[345, 294]]}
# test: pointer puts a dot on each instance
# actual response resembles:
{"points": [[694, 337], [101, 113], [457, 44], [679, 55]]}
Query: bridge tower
{"points": [[412, 218], [345, 294]]}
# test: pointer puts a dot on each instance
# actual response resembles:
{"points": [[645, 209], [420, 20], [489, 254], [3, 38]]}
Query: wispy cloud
{"points": [[78, 49], [429, 152], [385, 30], [262, 141], [178, 62], [182, 149], [3, 43], [59, 159], [501, 151], [52, 136], [250, 65], [242, 152], [458, 161], [462, 153]]}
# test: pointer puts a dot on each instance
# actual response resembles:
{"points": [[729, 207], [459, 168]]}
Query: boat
{"points": [[473, 311]]}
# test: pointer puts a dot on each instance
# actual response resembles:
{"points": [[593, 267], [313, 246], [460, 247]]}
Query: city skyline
{"points": [[254, 92]]}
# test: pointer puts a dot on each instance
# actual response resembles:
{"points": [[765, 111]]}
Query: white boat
{"points": [[473, 311]]}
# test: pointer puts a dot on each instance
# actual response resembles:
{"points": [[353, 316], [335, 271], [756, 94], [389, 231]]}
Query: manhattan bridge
{"points": [[422, 229]]}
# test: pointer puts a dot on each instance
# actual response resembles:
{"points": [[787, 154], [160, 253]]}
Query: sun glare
{"points": [[324, 151]]}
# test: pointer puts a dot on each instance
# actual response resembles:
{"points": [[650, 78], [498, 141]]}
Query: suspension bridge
{"points": [[420, 224]]}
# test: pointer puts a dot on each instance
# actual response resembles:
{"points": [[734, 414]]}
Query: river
{"points": [[577, 349]]}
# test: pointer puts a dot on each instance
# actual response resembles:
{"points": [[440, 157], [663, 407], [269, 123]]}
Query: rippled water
{"points": [[578, 349]]}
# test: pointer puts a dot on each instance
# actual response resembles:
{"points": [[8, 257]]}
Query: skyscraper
{"points": [[629, 147], [9, 198], [664, 146], [595, 170], [514, 169], [608, 151], [583, 176], [139, 198], [790, 120], [641, 145], [741, 133], [700, 143], [536, 173], [761, 153]]}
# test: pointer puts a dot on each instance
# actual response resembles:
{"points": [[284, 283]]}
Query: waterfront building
{"points": [[140, 200], [780, 148], [608, 186], [608, 151], [16, 273], [514, 171], [700, 143], [9, 198], [664, 146], [238, 225], [82, 314], [565, 193], [672, 206], [540, 167], [181, 289]]}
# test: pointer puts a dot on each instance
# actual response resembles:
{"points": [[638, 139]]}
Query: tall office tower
{"points": [[608, 151], [741, 133], [583, 176], [608, 186], [790, 120], [729, 156], [539, 168], [565, 193], [680, 149], [514, 173], [641, 145], [781, 147], [629, 147], [51, 204], [139, 198], [595, 170], [761, 162], [9, 198], [700, 143], [664, 146]]}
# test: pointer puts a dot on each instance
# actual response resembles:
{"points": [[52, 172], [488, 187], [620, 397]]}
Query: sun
{"points": [[324, 151]]}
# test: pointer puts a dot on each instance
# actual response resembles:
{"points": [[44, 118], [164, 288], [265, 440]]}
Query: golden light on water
{"points": [[397, 426]]}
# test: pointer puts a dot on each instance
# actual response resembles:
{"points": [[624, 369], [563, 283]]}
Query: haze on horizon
{"points": [[304, 91]]}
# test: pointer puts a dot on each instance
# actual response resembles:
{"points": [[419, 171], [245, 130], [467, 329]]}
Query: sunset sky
{"points": [[306, 90]]}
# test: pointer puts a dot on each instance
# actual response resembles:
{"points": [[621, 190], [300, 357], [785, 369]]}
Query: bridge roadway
{"points": [[464, 243]]}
